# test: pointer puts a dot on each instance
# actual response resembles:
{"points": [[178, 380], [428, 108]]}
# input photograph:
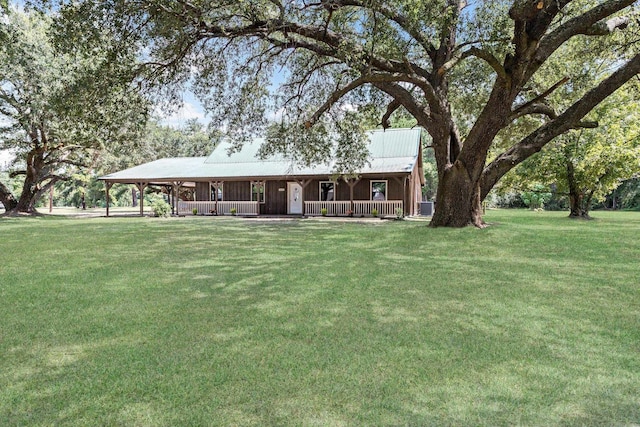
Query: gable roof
{"points": [[390, 151]]}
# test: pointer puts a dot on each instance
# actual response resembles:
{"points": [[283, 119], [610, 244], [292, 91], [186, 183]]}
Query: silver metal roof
{"points": [[390, 151]]}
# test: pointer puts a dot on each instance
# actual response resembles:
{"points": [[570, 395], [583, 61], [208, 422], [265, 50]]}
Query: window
{"points": [[327, 193], [213, 192], [379, 190], [257, 191]]}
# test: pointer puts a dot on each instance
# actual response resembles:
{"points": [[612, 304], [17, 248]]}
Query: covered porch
{"points": [[356, 208]]}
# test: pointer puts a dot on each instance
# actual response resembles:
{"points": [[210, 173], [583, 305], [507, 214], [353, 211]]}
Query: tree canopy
{"points": [[465, 70], [587, 164], [57, 110]]}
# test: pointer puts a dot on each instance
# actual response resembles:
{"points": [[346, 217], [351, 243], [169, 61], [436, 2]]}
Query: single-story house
{"points": [[242, 183]]}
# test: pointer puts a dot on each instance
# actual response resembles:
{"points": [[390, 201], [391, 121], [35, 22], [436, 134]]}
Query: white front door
{"points": [[294, 191]]}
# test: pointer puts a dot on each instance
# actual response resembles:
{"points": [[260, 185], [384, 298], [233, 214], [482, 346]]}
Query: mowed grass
{"points": [[219, 321]]}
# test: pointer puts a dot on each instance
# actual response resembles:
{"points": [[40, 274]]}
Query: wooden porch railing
{"points": [[333, 208], [224, 208], [385, 208], [360, 207]]}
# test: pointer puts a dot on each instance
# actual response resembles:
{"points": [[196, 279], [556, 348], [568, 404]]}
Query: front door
{"points": [[294, 191]]}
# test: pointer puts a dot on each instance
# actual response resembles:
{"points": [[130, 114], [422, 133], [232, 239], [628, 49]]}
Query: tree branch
{"points": [[335, 97], [408, 101], [604, 28], [391, 108], [537, 108], [525, 108], [400, 19], [587, 23], [487, 56], [568, 120]]}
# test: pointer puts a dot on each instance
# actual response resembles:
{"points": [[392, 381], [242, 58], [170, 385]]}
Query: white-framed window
{"points": [[257, 191], [379, 190], [327, 191], [212, 189]]}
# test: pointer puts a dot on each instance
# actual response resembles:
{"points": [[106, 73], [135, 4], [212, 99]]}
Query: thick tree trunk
{"points": [[27, 201], [578, 204], [458, 202], [32, 188], [7, 198]]}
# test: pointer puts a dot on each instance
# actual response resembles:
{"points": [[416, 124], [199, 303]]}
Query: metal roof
{"points": [[390, 151]]}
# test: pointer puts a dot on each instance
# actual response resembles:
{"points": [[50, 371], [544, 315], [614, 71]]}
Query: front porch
{"points": [[311, 208]]}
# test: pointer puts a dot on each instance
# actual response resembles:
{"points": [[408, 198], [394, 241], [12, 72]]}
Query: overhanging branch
{"points": [[535, 106], [487, 56], [335, 97], [391, 108], [570, 119], [589, 23]]}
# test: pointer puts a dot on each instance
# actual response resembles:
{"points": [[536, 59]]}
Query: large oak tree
{"points": [[425, 57], [57, 110]]}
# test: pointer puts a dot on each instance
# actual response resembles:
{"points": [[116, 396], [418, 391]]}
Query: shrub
{"points": [[323, 211], [233, 211], [194, 211], [160, 208], [374, 212], [399, 213]]}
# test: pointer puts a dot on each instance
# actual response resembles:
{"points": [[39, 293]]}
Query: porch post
{"points": [[141, 187], [303, 184], [404, 197], [169, 189], [403, 181], [351, 182], [215, 185], [107, 186], [176, 195]]}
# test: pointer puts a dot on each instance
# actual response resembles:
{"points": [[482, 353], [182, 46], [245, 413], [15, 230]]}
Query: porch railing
{"points": [[384, 208], [333, 208], [224, 208], [360, 207]]}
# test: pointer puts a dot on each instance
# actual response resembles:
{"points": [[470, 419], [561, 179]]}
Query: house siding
{"points": [[202, 191], [235, 191], [361, 191], [275, 200]]}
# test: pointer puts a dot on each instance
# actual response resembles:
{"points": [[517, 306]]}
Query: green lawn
{"points": [[223, 321]]}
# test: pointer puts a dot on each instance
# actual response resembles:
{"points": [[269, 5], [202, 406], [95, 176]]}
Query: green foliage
{"points": [[629, 194], [374, 212], [323, 211], [161, 208], [194, 211], [233, 211], [59, 110], [159, 141], [584, 164], [536, 198]]}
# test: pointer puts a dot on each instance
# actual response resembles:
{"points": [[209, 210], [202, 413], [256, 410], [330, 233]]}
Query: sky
{"points": [[5, 158], [190, 109]]}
